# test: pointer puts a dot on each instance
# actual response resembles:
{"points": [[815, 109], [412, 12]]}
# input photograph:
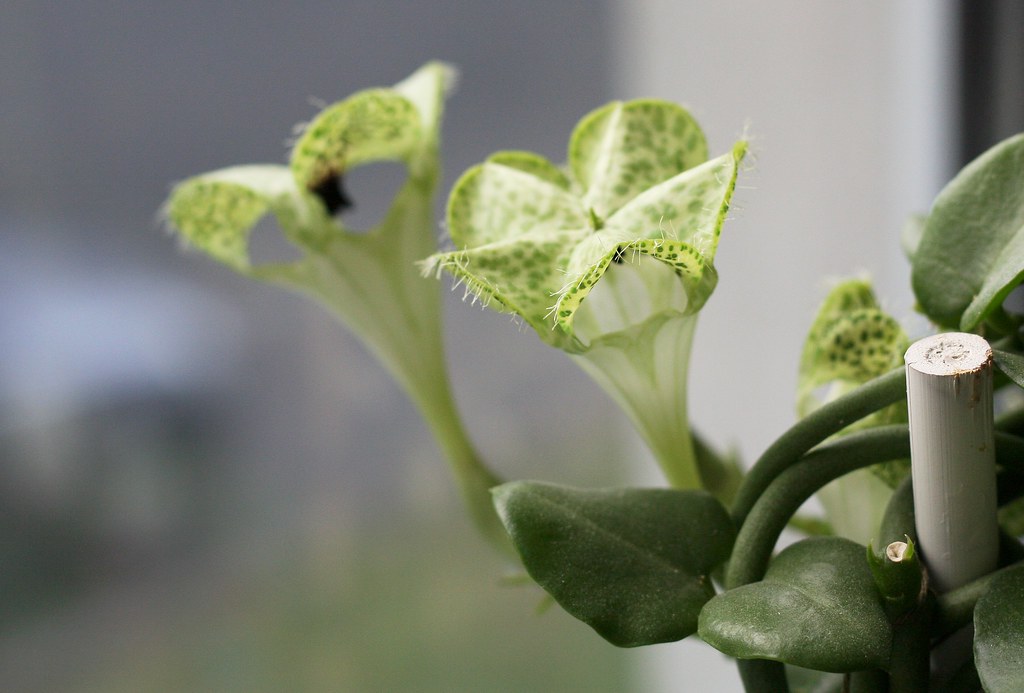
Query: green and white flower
{"points": [[608, 259], [369, 280]]}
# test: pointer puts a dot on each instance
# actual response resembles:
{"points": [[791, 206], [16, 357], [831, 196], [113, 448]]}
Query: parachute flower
{"points": [[370, 280], [608, 259]]}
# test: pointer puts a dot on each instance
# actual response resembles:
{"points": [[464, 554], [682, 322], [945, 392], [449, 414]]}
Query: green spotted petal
{"points": [[849, 295], [373, 125], [858, 346], [622, 149], [425, 89], [677, 222], [690, 207], [648, 161], [496, 201], [852, 340], [215, 212], [534, 164], [698, 277], [518, 276]]}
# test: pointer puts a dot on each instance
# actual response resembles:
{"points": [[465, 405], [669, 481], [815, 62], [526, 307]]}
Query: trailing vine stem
{"points": [[898, 519], [762, 676], [798, 482], [909, 660], [954, 609], [757, 538], [813, 429], [785, 493], [826, 421]]}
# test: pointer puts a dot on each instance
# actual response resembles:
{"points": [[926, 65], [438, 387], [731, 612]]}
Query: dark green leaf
{"points": [[633, 564], [999, 634], [817, 608], [720, 474], [971, 253], [910, 236], [1011, 517], [1012, 365]]}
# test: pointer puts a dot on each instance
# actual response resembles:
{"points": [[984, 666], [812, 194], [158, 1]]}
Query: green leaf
{"points": [[910, 235], [999, 634], [634, 564], [1011, 517], [817, 608], [971, 254], [1012, 365], [720, 474]]}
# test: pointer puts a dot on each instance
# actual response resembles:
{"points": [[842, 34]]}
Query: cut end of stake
{"points": [[953, 353]]}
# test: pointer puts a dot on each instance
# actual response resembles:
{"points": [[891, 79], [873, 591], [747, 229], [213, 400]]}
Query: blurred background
{"points": [[207, 485]]}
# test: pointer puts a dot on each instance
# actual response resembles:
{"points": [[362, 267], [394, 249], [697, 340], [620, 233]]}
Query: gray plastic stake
{"points": [[949, 395]]}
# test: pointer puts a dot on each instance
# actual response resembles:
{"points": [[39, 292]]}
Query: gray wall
{"points": [[161, 417], [107, 104]]}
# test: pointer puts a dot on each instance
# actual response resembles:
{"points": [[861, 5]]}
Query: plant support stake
{"points": [[949, 395]]}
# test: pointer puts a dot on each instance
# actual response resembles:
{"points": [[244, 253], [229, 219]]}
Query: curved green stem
{"points": [[769, 515], [898, 519], [782, 498], [472, 476], [955, 609], [372, 284], [910, 665], [762, 676], [780, 501], [868, 681], [813, 429], [787, 475]]}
